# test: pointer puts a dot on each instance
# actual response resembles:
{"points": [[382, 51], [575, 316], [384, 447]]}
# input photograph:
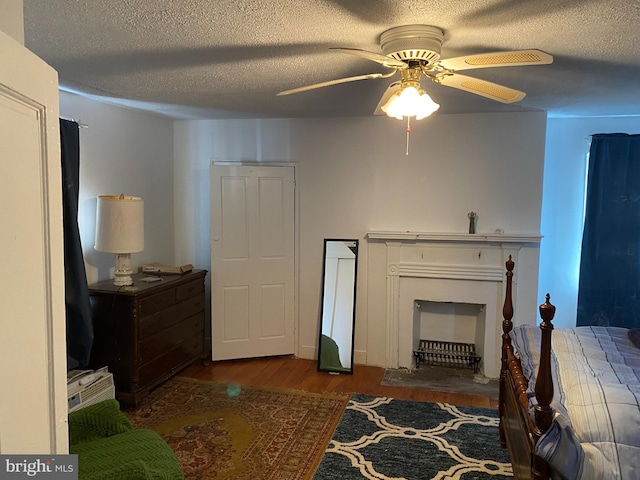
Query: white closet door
{"points": [[252, 261]]}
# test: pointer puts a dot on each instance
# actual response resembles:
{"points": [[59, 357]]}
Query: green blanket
{"points": [[108, 447]]}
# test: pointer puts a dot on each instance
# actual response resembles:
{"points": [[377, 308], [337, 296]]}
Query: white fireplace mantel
{"points": [[454, 237], [448, 267]]}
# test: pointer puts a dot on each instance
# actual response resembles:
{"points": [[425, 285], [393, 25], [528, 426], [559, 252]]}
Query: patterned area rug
{"points": [[226, 431], [382, 438]]}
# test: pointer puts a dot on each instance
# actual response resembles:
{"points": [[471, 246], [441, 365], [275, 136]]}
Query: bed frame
{"points": [[518, 431]]}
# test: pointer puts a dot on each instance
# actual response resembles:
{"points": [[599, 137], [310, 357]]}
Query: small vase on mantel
{"points": [[473, 221]]}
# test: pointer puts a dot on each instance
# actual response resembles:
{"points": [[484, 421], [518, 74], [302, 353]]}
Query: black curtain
{"points": [[609, 285], [78, 313]]}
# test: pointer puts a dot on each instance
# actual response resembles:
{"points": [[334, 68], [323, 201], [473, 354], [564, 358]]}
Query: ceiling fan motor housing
{"points": [[413, 42]]}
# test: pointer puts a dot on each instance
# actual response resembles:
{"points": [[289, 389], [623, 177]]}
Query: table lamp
{"points": [[120, 230]]}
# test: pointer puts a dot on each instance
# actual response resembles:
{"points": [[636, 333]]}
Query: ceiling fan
{"points": [[414, 50]]}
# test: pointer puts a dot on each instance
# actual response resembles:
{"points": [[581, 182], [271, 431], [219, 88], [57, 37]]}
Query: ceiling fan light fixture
{"points": [[410, 102]]}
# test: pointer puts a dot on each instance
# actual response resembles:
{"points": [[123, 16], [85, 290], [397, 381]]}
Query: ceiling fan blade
{"points": [[389, 62], [513, 58], [391, 89], [484, 88], [369, 76]]}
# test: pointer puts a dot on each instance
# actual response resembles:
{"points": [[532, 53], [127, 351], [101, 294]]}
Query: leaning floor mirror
{"points": [[337, 316]]}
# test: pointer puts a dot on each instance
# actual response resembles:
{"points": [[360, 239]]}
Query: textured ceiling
{"points": [[229, 58]]}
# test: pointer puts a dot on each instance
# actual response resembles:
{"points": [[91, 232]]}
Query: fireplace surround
{"points": [[442, 267]]}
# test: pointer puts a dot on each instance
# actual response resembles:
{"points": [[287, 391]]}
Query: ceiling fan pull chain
{"points": [[408, 132]]}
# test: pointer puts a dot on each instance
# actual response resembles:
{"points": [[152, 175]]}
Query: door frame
{"points": [[296, 236]]}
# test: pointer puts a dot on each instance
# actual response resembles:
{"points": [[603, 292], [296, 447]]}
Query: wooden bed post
{"points": [[542, 411], [544, 382], [519, 432], [507, 325]]}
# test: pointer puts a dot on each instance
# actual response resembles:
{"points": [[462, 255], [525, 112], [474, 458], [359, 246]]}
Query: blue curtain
{"points": [[78, 310], [609, 286]]}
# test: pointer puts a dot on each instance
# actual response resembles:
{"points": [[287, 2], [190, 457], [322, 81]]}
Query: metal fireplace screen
{"points": [[448, 354]]}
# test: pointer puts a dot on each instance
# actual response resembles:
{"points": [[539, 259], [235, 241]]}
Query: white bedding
{"points": [[596, 374]]}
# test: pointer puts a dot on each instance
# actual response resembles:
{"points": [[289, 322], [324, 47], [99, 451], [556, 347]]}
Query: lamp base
{"points": [[122, 280], [123, 270]]}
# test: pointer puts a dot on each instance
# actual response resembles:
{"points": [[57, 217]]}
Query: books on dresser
{"points": [[161, 268]]}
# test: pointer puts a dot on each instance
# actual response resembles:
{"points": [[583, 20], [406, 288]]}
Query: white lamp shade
{"points": [[410, 102], [119, 224]]}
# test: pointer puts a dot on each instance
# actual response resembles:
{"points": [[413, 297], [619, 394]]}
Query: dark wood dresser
{"points": [[148, 333]]}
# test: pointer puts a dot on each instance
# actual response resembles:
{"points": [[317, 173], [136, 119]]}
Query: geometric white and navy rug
{"points": [[382, 438]]}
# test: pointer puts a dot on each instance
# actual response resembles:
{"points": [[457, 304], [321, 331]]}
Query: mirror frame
{"points": [[353, 245]]}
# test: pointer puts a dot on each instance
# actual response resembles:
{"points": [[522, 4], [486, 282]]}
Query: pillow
{"points": [[561, 449], [634, 336]]}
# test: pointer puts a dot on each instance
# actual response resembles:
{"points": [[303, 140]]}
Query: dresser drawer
{"points": [[157, 302], [159, 321], [188, 290], [165, 340], [172, 361]]}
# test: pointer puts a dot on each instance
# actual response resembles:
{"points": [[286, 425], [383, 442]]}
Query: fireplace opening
{"points": [[446, 334]]}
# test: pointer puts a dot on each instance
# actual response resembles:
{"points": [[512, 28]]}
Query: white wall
{"points": [[563, 206], [353, 177], [11, 19], [130, 152]]}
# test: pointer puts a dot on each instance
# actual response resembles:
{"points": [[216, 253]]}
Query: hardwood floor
{"points": [[301, 374]]}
